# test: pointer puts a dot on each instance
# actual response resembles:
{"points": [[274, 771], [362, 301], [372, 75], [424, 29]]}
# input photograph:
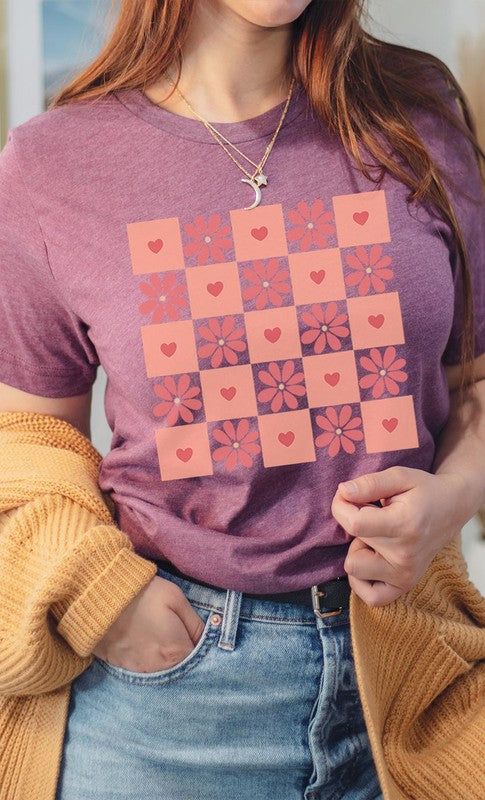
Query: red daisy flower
{"points": [[211, 239], [178, 399], [325, 327], [223, 341], [384, 371], [341, 430], [166, 297], [370, 269], [268, 283], [238, 444], [312, 225], [285, 385]]}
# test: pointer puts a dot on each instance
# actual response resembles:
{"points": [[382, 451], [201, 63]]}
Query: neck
{"points": [[231, 70]]}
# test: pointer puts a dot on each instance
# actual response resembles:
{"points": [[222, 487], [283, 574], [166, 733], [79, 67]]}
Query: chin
{"points": [[268, 13]]}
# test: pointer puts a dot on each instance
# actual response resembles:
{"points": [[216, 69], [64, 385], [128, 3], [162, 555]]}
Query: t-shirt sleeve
{"points": [[44, 347], [462, 179]]}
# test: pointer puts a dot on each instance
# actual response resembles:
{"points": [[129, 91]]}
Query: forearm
{"points": [[461, 448]]}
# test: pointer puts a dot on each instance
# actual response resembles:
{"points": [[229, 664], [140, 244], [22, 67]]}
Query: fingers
{"points": [[365, 564], [376, 593], [376, 485], [365, 520]]}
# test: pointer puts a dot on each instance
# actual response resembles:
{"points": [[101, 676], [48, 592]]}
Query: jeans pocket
{"points": [[198, 652]]}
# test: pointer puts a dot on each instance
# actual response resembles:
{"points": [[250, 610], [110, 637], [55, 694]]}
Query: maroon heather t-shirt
{"points": [[255, 358]]}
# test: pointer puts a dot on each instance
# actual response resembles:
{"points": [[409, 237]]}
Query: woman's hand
{"points": [[394, 544], [155, 631]]}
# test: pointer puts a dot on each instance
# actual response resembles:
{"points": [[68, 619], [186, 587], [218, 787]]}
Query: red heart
{"points": [[229, 392], [332, 378], [286, 438], [390, 424], [361, 217], [272, 334], [156, 246], [168, 349], [317, 277], [184, 455], [215, 288], [376, 321], [259, 233]]}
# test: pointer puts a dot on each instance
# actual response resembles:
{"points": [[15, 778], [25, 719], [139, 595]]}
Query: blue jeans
{"points": [[266, 705]]}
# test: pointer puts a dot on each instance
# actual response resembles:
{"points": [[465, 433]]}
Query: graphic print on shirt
{"points": [[274, 337]]}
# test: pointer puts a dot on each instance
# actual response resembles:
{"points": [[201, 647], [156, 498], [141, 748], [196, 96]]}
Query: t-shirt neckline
{"points": [[189, 128]]}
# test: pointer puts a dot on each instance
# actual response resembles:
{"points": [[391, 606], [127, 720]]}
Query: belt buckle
{"points": [[316, 594]]}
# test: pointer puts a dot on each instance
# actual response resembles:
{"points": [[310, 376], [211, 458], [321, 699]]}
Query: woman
{"points": [[281, 293]]}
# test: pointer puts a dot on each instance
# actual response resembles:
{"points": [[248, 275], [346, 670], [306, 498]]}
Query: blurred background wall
{"points": [[454, 30], [43, 42]]}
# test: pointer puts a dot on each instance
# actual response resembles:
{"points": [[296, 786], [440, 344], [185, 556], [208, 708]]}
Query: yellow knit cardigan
{"points": [[67, 571]]}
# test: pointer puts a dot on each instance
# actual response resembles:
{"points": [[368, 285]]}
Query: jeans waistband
{"points": [[327, 597]]}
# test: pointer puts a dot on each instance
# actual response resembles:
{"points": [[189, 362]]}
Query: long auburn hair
{"points": [[359, 86]]}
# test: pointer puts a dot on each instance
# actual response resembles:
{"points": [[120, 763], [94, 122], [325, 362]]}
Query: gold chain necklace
{"points": [[257, 178]]}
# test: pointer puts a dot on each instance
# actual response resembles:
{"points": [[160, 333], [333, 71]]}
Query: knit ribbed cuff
{"points": [[110, 589]]}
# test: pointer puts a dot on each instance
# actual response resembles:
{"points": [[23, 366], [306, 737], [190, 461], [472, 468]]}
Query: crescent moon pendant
{"points": [[257, 191]]}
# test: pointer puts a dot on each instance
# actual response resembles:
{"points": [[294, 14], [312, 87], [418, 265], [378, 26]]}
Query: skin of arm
{"points": [[393, 545]]}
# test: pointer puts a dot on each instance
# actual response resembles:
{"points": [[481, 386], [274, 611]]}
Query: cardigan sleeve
{"points": [[66, 570]]}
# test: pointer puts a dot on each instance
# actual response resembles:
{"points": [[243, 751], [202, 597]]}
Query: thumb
{"points": [[375, 486], [194, 624]]}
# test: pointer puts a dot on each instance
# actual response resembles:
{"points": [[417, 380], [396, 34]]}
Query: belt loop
{"points": [[230, 619]]}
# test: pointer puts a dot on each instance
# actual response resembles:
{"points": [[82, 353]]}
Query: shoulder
{"points": [[440, 121], [436, 110], [59, 133]]}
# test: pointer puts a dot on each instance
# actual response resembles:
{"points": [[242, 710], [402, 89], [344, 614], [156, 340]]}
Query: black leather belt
{"points": [[326, 599]]}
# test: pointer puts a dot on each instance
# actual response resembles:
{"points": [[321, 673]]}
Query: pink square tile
{"points": [[375, 320], [169, 348], [214, 290], [286, 438], [155, 245], [389, 424], [228, 392], [331, 379], [317, 276], [259, 232], [183, 451], [361, 218], [273, 334]]}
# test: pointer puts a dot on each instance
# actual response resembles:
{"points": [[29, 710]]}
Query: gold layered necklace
{"points": [[257, 179]]}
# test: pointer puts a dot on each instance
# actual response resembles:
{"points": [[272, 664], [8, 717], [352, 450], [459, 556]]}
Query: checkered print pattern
{"points": [[272, 336]]}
